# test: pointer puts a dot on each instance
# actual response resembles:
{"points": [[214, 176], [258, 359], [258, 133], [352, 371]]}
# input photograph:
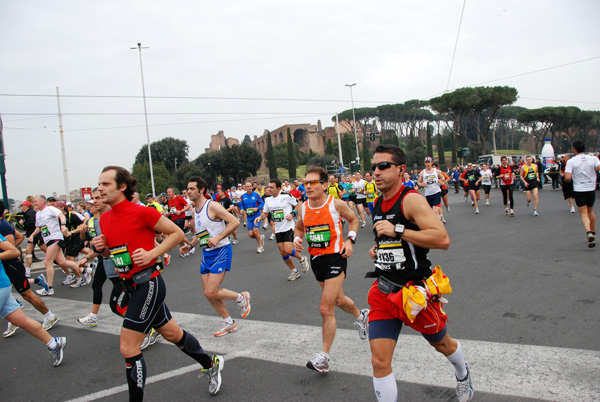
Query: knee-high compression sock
{"points": [[191, 347], [386, 389], [135, 367], [458, 361]]}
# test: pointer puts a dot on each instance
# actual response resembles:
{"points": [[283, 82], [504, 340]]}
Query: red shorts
{"points": [[429, 321]]}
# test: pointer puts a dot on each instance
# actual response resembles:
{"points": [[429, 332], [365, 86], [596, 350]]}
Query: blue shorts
{"points": [[370, 205], [216, 261], [8, 304], [250, 223], [390, 329], [434, 200]]}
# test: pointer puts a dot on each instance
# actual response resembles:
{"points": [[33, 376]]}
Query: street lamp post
{"points": [[139, 47], [354, 122]]}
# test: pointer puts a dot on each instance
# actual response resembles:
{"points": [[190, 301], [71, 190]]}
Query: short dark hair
{"points": [[578, 146], [277, 182], [397, 152], [200, 182], [122, 176], [317, 169]]}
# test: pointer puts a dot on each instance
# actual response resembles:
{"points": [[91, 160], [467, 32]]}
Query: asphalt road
{"points": [[523, 306]]}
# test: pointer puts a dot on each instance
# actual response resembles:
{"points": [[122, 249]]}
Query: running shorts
{"points": [[147, 308], [216, 261], [328, 266]]}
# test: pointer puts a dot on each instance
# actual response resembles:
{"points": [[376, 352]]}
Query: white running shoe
{"points": [[272, 237], [487, 202], [71, 278], [235, 241], [535, 213], [572, 210], [261, 249], [512, 212], [244, 305], [57, 352], [214, 374], [319, 363], [88, 320], [476, 210], [226, 329], [87, 275], [10, 331], [448, 207], [27, 272], [305, 265], [262, 239], [294, 274], [363, 325], [44, 292], [464, 388], [79, 282], [48, 324], [364, 225]]}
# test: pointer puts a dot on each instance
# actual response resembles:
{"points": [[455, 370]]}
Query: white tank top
{"points": [[431, 182], [206, 228]]}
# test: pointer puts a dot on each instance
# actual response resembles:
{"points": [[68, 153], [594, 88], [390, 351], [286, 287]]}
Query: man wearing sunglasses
{"points": [[405, 229], [320, 219]]}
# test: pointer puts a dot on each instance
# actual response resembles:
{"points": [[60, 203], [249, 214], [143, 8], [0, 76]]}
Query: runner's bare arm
{"points": [[433, 233]]}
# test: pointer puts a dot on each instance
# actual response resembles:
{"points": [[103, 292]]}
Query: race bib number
{"points": [[370, 195], [173, 210], [431, 180], [507, 176], [318, 236], [249, 211], [236, 201], [203, 237], [486, 177], [278, 215], [121, 259], [92, 233], [531, 175], [45, 231], [390, 255]]}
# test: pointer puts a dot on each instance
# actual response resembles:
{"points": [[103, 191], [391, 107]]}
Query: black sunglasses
{"points": [[383, 165]]}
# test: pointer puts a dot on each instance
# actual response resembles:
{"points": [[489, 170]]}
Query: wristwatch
{"points": [[399, 229]]}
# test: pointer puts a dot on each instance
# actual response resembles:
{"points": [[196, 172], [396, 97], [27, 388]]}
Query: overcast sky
{"points": [[271, 63]]}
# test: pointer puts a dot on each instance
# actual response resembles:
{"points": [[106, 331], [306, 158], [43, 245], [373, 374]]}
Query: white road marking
{"points": [[505, 369]]}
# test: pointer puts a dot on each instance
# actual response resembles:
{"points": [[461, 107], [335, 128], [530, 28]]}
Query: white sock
{"points": [[386, 388], [49, 315], [94, 316], [458, 361], [228, 320], [52, 344]]}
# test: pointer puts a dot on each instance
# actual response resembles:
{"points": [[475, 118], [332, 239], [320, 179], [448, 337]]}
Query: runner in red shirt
{"points": [[128, 239]]}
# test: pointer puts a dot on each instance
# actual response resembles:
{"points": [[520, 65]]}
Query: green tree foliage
{"points": [[366, 156], [440, 150], [330, 149], [453, 148], [230, 165], [281, 154], [552, 122], [429, 142], [321, 160], [168, 151], [415, 152], [270, 157], [246, 139], [163, 179], [478, 105], [184, 172], [291, 153], [348, 148]]}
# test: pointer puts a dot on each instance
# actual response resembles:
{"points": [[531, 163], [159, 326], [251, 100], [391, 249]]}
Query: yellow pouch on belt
{"points": [[412, 299], [438, 283]]}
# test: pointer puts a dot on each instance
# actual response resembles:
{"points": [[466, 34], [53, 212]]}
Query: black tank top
{"points": [[398, 260]]}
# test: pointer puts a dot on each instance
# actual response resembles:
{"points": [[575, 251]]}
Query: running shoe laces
{"points": [[363, 324], [464, 388]]}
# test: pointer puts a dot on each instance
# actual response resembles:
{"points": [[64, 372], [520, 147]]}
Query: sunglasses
{"points": [[383, 165], [312, 182]]}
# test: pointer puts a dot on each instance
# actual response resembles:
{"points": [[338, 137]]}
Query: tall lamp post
{"points": [[354, 123], [139, 47]]}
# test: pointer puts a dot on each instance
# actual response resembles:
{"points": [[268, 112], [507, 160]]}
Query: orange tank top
{"points": [[323, 227]]}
